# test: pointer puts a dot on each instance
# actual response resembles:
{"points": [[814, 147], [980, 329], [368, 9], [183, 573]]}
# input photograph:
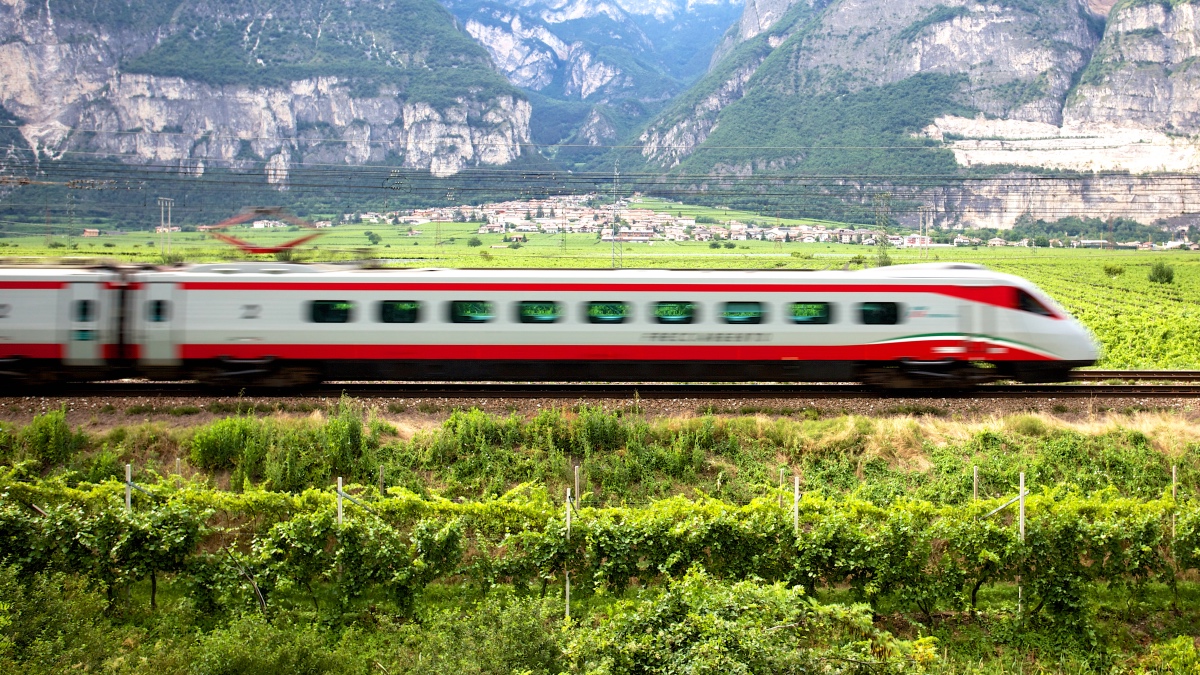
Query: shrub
{"points": [[1162, 273], [344, 438], [220, 444], [714, 244], [1113, 271], [49, 439], [252, 646], [700, 625]]}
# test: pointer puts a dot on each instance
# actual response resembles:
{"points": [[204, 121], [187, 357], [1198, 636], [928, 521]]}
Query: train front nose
{"points": [[1083, 346]]}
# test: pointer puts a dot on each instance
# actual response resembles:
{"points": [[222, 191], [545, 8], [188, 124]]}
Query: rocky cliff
{"points": [[950, 87], [259, 88], [615, 57]]}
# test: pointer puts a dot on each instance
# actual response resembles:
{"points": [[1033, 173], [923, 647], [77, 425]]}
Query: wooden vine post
{"points": [[567, 573], [796, 505]]}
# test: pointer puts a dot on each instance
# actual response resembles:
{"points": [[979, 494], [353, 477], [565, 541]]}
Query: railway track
{"points": [[1115, 384]]}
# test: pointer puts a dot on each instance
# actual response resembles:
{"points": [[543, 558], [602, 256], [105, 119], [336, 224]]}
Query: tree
{"points": [[474, 241], [373, 238], [540, 212], [1162, 273]]}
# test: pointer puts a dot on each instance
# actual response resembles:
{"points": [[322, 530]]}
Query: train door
{"points": [[160, 317], [84, 345]]}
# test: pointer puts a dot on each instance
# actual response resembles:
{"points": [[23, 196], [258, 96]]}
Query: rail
{"points": [[1092, 384]]}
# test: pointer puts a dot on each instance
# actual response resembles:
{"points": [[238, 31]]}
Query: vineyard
{"points": [[719, 543]]}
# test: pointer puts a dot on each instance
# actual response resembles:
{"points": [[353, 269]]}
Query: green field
{"points": [[685, 554], [1142, 325]]}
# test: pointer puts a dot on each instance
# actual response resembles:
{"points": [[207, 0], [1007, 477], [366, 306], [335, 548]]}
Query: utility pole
{"points": [[164, 224]]}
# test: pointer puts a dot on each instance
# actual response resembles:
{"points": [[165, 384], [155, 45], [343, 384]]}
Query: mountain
{"points": [[256, 86], [921, 88], [596, 68]]}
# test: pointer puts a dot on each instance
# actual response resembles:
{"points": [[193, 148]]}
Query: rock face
{"points": [[614, 56], [1016, 62], [1144, 73], [1041, 83], [67, 78]]}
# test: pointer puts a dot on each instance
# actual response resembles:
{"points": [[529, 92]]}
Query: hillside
{"points": [[1006, 90], [263, 87], [596, 70]]}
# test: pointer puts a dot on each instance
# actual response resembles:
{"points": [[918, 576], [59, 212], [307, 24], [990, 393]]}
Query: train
{"points": [[280, 325]]}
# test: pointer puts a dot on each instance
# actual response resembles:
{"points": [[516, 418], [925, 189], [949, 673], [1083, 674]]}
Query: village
{"points": [[576, 215]]}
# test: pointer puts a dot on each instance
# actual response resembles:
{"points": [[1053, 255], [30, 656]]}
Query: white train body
{"points": [[282, 325]]}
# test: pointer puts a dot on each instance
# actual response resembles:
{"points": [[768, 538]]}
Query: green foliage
{"points": [[502, 635], [49, 439], [54, 624], [698, 625], [220, 444], [1113, 271], [474, 242], [253, 646], [1161, 273]]}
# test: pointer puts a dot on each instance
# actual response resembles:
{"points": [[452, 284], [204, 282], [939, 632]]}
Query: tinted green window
{"points": [[675, 312], [810, 312], [743, 313], [399, 311], [472, 311], [608, 312], [331, 311], [538, 312], [880, 313]]}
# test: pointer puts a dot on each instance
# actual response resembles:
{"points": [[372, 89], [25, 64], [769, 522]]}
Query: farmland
{"points": [[683, 548], [1142, 325]]}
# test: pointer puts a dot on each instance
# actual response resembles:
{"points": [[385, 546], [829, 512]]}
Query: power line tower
{"points": [[164, 224], [618, 251], [883, 210], [926, 229]]}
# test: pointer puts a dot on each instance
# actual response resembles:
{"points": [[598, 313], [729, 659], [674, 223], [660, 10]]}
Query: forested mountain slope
{"points": [[259, 86]]}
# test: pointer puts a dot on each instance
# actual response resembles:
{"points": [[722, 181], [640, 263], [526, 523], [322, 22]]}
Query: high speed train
{"points": [[283, 325]]}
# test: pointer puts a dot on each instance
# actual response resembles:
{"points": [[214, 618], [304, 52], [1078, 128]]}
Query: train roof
{"points": [[281, 271]]}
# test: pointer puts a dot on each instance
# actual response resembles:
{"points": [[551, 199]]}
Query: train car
{"points": [[287, 325], [60, 323]]}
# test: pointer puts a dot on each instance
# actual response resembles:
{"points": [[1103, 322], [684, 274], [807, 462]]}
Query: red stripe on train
{"points": [[32, 285], [995, 295], [30, 351], [731, 352]]}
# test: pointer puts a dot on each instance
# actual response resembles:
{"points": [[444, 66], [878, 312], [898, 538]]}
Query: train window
{"points": [[534, 311], [399, 311], [472, 311], [158, 311], [744, 313], [331, 311], [608, 312], [85, 310], [810, 312], [880, 313], [1028, 303], [675, 312]]}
